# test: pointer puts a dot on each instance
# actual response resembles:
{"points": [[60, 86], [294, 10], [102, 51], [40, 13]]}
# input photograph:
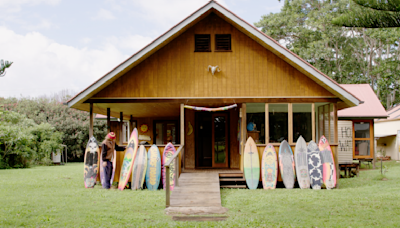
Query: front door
{"points": [[212, 140]]}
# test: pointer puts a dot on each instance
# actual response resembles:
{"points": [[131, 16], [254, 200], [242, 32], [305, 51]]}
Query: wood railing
{"points": [[167, 171]]}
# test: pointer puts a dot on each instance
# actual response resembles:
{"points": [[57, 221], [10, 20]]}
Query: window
{"points": [[363, 140], [326, 122], [165, 132], [278, 122], [256, 118], [222, 42], [125, 132], [302, 124], [202, 43]]}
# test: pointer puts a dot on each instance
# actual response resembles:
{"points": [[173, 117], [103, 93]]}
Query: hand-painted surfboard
{"points": [[269, 167], [286, 164], [129, 158], [328, 163], [314, 165], [153, 173], [91, 163], [114, 166], [102, 172], [300, 157], [251, 164], [139, 168], [169, 150]]}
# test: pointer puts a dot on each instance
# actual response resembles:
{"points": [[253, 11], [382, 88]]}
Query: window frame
{"points": [[216, 43], [198, 36], [370, 139]]}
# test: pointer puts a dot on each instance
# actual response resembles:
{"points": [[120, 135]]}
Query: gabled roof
{"points": [[241, 25], [393, 114], [371, 108]]}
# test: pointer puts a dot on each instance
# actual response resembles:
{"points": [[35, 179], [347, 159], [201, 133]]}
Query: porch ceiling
{"points": [[137, 110]]}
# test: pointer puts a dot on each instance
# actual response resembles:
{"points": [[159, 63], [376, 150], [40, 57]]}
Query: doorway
{"points": [[212, 140]]}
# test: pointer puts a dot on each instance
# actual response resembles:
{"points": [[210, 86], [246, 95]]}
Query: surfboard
{"points": [[153, 172], [328, 163], [251, 164], [114, 166], [269, 167], [103, 173], [129, 158], [300, 157], [169, 150], [139, 168], [91, 163], [286, 164], [314, 165]]}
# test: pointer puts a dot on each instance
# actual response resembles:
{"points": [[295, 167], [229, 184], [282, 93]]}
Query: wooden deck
{"points": [[197, 194]]}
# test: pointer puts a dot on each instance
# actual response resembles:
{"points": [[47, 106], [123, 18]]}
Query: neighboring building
{"points": [[356, 125], [386, 133], [272, 87]]}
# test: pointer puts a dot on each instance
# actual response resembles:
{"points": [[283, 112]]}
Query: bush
{"points": [[72, 123], [23, 142]]}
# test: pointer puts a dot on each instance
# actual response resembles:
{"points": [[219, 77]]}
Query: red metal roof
{"points": [[371, 108], [393, 114]]}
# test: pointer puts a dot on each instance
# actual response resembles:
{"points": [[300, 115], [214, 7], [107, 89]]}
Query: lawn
{"points": [[55, 196]]}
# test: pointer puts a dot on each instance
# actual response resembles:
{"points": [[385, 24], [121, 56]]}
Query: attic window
{"points": [[202, 43], [222, 42]]}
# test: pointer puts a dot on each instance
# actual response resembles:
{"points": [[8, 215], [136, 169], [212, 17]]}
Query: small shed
{"points": [[356, 125]]}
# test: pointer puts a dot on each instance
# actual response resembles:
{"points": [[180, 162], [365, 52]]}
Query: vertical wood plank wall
{"points": [[249, 70]]}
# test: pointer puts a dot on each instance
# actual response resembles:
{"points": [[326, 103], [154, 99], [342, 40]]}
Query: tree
{"points": [[347, 55], [371, 14], [74, 124], [3, 66]]}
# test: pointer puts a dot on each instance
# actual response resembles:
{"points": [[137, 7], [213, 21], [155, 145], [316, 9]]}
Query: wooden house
{"points": [[215, 59], [356, 125]]}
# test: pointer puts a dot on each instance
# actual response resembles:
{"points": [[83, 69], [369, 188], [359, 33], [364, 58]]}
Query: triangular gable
{"points": [[240, 24]]}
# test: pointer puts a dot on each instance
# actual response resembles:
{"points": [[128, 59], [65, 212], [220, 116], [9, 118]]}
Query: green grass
{"points": [[55, 196]]}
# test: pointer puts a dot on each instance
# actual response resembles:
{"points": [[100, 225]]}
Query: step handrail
{"points": [[167, 165]]}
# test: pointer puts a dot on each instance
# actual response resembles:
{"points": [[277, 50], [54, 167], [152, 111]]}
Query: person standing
{"points": [[107, 152]]}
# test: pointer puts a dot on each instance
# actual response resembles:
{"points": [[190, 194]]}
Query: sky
{"points": [[60, 45]]}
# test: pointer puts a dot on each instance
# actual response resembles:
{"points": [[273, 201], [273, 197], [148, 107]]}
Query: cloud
{"points": [[172, 11], [12, 6], [43, 24], [42, 66], [103, 14], [131, 42]]}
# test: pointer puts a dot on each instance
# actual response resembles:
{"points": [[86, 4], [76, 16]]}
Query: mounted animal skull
{"points": [[213, 69]]}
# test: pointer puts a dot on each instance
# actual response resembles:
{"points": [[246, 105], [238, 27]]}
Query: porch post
{"points": [[91, 121], [182, 136], [244, 129], [313, 124], [121, 125], [266, 127], [108, 121], [335, 120], [130, 125]]}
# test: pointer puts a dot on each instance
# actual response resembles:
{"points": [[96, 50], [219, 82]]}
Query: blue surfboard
{"points": [[153, 172]]}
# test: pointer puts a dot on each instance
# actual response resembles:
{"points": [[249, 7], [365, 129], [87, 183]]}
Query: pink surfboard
{"points": [[129, 158], [328, 163], [169, 151]]}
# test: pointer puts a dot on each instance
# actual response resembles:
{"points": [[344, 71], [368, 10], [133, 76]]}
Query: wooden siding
{"points": [[249, 70]]}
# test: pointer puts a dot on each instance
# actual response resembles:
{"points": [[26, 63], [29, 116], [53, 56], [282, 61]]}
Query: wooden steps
{"points": [[197, 194], [232, 180], [199, 218]]}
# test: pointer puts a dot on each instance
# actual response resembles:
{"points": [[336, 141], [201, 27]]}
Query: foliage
{"points": [[3, 66], [360, 202], [371, 14], [23, 142], [72, 123], [347, 55]]}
